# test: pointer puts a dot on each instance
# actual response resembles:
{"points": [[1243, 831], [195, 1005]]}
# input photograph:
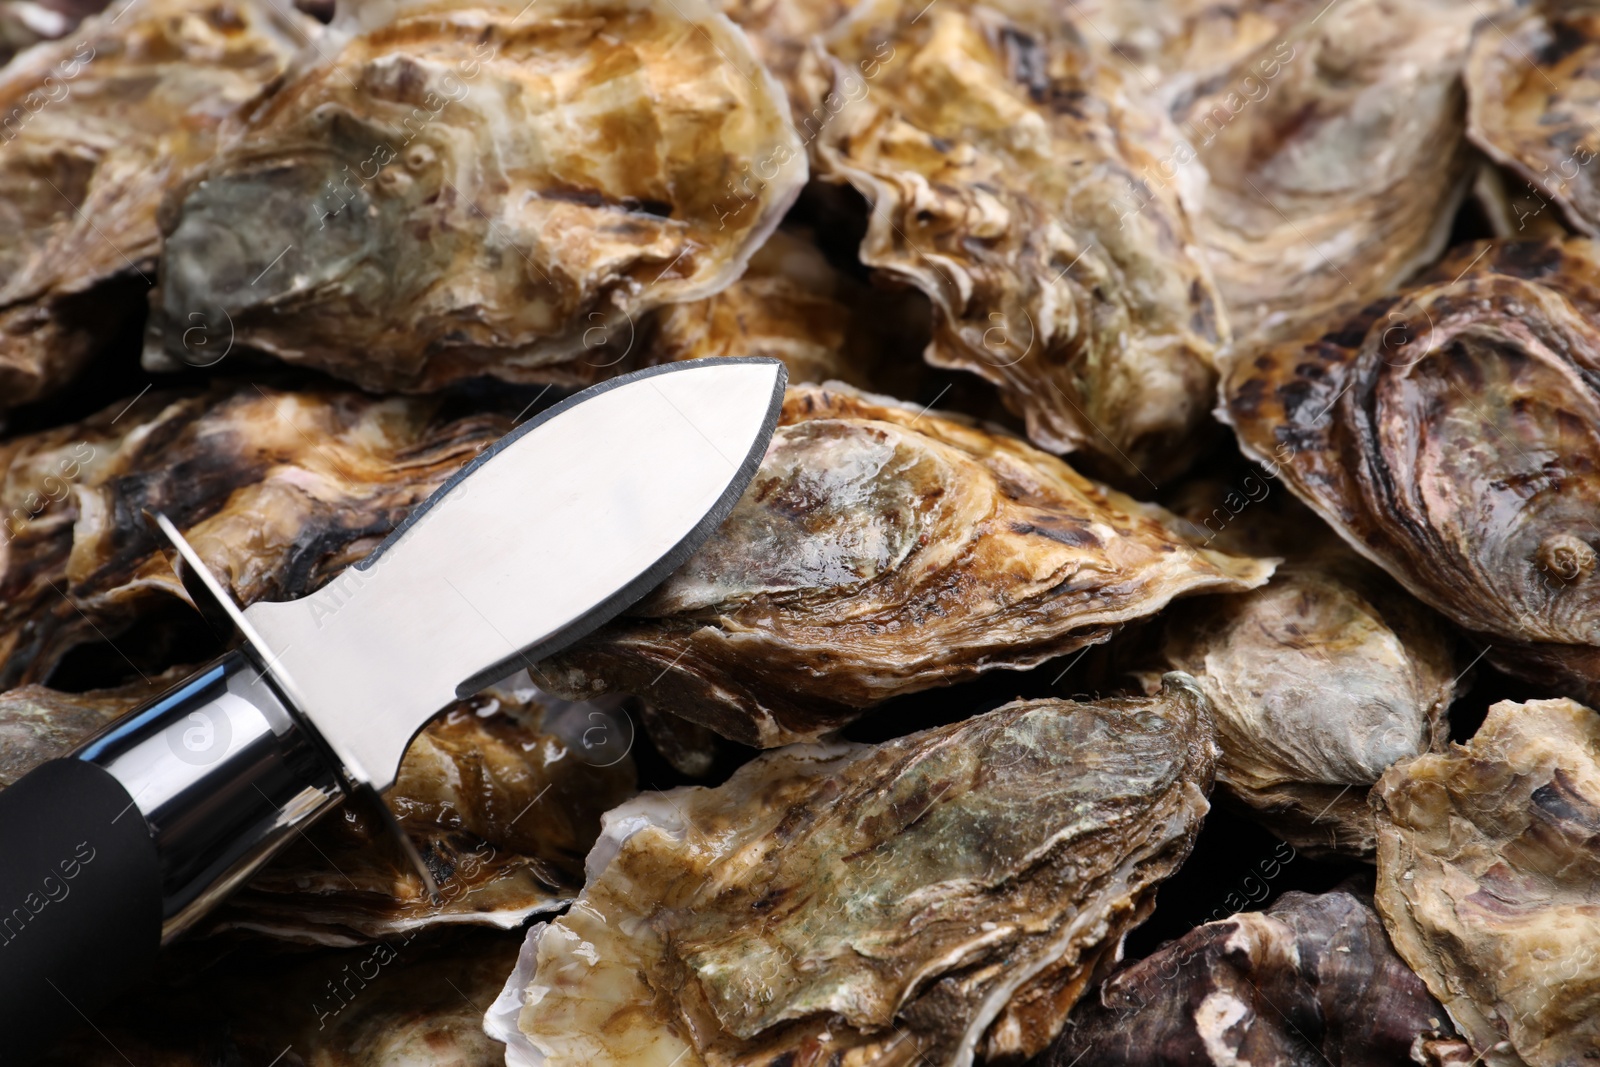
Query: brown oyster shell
{"points": [[881, 550], [790, 304], [1000, 160], [542, 176], [942, 896], [1489, 880], [1320, 680], [1309, 982], [1534, 96], [1452, 434], [27, 22], [496, 794], [277, 491], [1336, 156], [92, 129]]}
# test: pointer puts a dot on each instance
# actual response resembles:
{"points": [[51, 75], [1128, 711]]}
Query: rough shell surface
{"points": [[1534, 95], [1001, 165], [466, 188], [942, 896], [1309, 982], [1321, 680], [1489, 880], [882, 550], [1336, 155], [92, 129], [1451, 433]]}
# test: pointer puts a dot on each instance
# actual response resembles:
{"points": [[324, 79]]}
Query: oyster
{"points": [[1336, 155], [1309, 982], [498, 795], [791, 304], [1451, 433], [1489, 882], [1001, 163], [92, 128], [939, 898], [277, 491], [882, 550], [409, 1001], [1321, 680], [1534, 93], [463, 188]]}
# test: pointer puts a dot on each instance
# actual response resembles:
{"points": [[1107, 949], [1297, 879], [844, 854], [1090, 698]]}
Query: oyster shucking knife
{"points": [[115, 849]]}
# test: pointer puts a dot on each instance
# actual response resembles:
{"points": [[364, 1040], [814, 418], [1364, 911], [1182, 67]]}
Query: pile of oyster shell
{"points": [[1164, 628]]}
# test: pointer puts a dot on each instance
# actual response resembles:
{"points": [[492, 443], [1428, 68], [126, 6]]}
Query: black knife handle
{"points": [[80, 885], [171, 807]]}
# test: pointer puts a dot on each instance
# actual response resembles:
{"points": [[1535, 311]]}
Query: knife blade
{"points": [[559, 526]]}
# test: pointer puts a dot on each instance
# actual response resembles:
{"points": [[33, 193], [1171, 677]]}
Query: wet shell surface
{"points": [[453, 188], [883, 550], [1451, 433], [933, 899]]}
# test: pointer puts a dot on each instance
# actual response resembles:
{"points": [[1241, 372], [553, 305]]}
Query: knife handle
{"points": [[115, 849]]}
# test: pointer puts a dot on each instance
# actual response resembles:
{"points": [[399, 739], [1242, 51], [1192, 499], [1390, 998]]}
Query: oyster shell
{"points": [[1451, 433], [277, 491], [999, 160], [1534, 92], [497, 794], [93, 127], [791, 304], [1336, 155], [937, 898], [1309, 982], [1321, 680], [882, 550], [1489, 881], [462, 188]]}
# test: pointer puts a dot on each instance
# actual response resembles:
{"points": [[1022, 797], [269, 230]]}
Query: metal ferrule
{"points": [[224, 776]]}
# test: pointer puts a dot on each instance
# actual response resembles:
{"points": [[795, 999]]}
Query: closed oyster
{"points": [[1002, 165], [1452, 434], [1489, 880], [498, 795], [791, 304], [1321, 680], [882, 550], [1309, 982], [1534, 91], [277, 491], [937, 898], [1336, 155], [470, 187], [92, 129]]}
